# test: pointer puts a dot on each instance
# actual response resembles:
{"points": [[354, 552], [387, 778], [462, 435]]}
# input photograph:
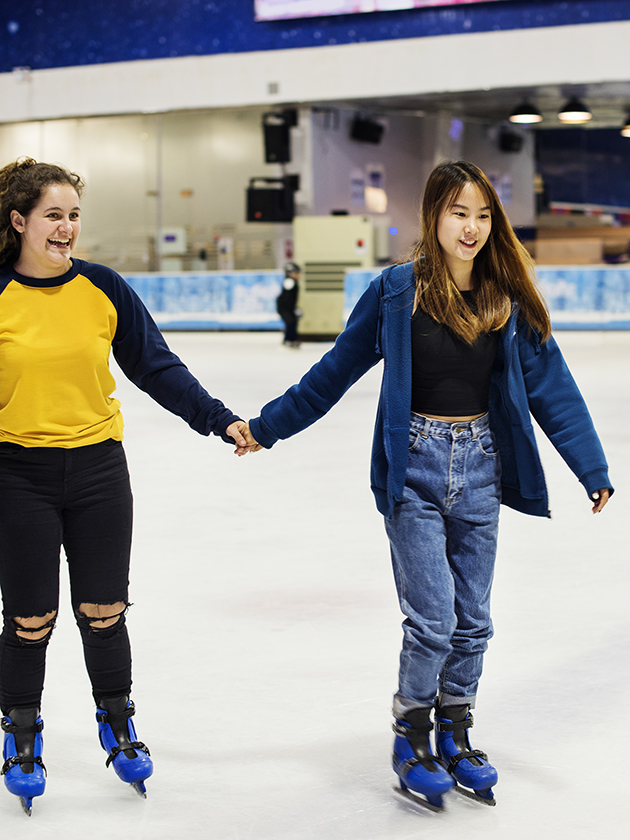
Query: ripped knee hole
{"points": [[102, 616], [33, 629]]}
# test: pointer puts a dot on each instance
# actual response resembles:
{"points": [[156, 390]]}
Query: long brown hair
{"points": [[503, 270], [21, 186]]}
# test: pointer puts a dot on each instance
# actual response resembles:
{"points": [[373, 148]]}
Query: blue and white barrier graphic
{"points": [[579, 297], [211, 300], [587, 297]]}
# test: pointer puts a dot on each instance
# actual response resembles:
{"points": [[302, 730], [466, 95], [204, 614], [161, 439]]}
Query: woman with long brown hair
{"points": [[499, 269], [468, 356]]}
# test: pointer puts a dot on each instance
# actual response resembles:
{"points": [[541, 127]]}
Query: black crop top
{"points": [[449, 377]]}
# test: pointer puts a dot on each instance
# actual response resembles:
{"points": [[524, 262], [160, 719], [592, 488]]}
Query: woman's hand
{"points": [[600, 497], [245, 441]]}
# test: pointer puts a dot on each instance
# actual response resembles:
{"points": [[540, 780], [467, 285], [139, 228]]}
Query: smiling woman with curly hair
{"points": [[63, 472]]}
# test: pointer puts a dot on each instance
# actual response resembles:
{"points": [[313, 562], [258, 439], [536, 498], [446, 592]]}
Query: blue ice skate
{"points": [[23, 769], [473, 773], [422, 777], [116, 732]]}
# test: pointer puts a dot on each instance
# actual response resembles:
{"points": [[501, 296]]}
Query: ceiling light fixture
{"points": [[574, 112], [525, 114]]}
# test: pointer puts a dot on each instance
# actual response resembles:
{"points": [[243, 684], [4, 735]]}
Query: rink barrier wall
{"points": [[211, 300], [579, 297]]}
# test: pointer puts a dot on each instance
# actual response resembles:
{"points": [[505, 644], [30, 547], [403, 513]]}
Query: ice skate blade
{"points": [[140, 789], [27, 805], [471, 794], [417, 799]]}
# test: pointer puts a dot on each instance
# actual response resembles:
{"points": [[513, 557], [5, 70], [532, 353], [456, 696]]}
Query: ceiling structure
{"points": [[609, 102]]}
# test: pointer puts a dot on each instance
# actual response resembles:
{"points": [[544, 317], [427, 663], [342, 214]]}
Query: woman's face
{"points": [[49, 233], [463, 228]]}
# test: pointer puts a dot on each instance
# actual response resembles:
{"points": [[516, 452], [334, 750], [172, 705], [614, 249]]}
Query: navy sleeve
{"points": [[354, 353], [557, 405], [145, 358]]}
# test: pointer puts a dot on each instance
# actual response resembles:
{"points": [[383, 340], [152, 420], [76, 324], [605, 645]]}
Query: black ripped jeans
{"points": [[79, 499]]}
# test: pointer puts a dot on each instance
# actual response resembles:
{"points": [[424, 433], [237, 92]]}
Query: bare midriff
{"points": [[465, 419]]}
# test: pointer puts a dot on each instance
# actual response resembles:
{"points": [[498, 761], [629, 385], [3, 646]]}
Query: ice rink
{"points": [[265, 632]]}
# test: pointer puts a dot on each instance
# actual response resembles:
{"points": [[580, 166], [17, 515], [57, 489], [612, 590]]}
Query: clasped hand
{"points": [[245, 441]]}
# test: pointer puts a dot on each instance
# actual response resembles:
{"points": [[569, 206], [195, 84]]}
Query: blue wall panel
{"points": [[211, 300], [587, 297], [63, 33], [585, 166], [579, 297]]}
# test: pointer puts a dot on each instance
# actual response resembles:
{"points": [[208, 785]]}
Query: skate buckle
{"points": [[132, 745]]}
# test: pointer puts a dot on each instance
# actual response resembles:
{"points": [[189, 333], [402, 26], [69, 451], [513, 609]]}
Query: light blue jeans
{"points": [[443, 538]]}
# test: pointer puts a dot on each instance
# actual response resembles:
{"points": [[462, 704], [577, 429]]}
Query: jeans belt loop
{"points": [[427, 426]]}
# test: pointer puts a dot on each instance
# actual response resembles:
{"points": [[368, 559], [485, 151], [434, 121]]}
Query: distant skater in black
{"points": [[286, 304]]}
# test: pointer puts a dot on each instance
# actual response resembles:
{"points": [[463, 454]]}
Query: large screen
{"points": [[281, 9]]}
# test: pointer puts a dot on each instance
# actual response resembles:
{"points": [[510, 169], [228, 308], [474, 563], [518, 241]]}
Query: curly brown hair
{"points": [[503, 270], [21, 186]]}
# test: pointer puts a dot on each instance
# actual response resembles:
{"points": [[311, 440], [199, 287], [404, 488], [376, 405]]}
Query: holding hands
{"points": [[245, 442]]}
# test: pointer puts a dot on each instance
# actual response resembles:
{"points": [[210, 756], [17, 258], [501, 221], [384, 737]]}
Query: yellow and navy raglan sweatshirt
{"points": [[55, 341]]}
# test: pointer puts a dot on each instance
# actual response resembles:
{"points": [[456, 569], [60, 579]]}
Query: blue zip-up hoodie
{"points": [[529, 378]]}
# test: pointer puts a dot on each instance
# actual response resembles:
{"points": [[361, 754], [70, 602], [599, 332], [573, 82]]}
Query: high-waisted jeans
{"points": [[443, 538], [79, 499]]}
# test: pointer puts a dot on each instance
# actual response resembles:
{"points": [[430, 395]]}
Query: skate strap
{"points": [[133, 745], [455, 759], [108, 717], [22, 759], [454, 725], [406, 729], [425, 761], [13, 728]]}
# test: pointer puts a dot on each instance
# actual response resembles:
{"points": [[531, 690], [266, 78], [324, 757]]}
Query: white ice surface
{"points": [[265, 635]]}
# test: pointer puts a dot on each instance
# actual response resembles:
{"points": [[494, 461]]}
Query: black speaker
{"points": [[277, 135], [269, 203], [366, 130], [510, 141], [290, 116]]}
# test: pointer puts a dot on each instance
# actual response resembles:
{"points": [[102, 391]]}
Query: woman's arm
{"points": [[354, 353], [145, 358], [559, 409]]}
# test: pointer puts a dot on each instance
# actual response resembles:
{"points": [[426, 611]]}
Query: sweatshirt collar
{"points": [[46, 282]]}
